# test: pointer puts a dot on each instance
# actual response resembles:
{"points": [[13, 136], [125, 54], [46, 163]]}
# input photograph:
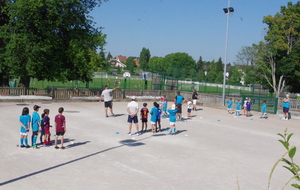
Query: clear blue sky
{"points": [[197, 27]]}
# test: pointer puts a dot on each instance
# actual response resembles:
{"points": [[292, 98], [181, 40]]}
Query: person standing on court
{"points": [[106, 93], [178, 102], [133, 109], [286, 106], [195, 98]]}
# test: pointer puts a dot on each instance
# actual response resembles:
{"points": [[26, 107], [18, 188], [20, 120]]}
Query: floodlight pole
{"points": [[226, 50]]}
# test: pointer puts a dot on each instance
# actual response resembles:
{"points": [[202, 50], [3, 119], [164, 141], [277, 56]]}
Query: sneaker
{"points": [[22, 146], [34, 146], [286, 119], [62, 147], [56, 147], [106, 115], [137, 134], [129, 133], [27, 146], [46, 145]]}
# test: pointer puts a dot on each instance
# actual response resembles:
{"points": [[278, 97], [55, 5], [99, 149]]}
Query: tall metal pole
{"points": [[225, 60]]}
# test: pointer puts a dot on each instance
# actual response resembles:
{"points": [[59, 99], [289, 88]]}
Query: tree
{"points": [[130, 63], [109, 56], [144, 59], [51, 40], [246, 56], [4, 19], [278, 56]]}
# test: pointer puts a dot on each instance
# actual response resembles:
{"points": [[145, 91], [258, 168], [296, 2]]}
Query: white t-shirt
{"points": [[133, 106], [189, 105], [107, 95]]}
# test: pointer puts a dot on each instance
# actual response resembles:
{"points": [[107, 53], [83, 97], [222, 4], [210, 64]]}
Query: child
{"points": [[248, 109], [238, 108], [60, 127], [47, 128], [264, 110], [173, 111], [229, 107], [245, 106], [144, 117], [153, 118], [36, 123], [42, 135], [25, 124], [165, 105], [158, 129], [189, 108]]}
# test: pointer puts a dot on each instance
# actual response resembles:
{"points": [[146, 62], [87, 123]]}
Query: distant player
{"points": [[144, 117], [173, 111], [36, 123], [178, 102], [158, 125], [60, 127], [189, 108], [238, 108], [47, 128], [153, 118], [264, 110], [229, 106], [24, 120]]}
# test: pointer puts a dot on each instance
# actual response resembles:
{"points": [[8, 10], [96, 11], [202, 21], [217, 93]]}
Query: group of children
{"points": [[247, 108], [42, 125]]}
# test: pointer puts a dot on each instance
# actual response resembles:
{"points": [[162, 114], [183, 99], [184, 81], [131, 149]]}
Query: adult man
{"points": [[286, 106], [194, 97], [178, 102], [106, 93], [132, 109]]}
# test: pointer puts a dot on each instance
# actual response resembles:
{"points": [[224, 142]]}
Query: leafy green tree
{"points": [[4, 69], [144, 58], [130, 63], [279, 55], [198, 72], [247, 55], [109, 56], [52, 40], [156, 65]]}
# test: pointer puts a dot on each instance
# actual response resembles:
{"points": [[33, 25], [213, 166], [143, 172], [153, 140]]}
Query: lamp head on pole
{"points": [[228, 10]]}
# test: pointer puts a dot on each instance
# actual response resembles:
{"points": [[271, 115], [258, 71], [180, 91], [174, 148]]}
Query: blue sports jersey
{"points": [[24, 119], [158, 113], [179, 99], [248, 105], [35, 119], [153, 113], [238, 106], [264, 108], [229, 104], [286, 104], [172, 117]]}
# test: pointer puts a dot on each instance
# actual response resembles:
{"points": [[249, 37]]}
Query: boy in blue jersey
{"points": [[248, 107], [238, 108], [153, 118], [25, 124], [173, 111], [178, 103], [165, 106], [229, 107], [286, 106], [264, 110], [35, 124]]}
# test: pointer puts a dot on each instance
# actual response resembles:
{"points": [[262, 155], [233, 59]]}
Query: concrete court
{"points": [[207, 154]]}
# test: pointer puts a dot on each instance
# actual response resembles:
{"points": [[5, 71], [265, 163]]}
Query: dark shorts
{"points": [[60, 133], [248, 109], [189, 110], [179, 107], [46, 130], [132, 119], [35, 133], [158, 121], [108, 104], [144, 120], [285, 109]]}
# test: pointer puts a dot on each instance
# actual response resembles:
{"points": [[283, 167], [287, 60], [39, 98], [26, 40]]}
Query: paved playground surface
{"points": [[213, 150]]}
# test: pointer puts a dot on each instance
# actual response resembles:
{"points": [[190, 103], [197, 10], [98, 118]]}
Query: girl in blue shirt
{"points": [[153, 119], [24, 129]]}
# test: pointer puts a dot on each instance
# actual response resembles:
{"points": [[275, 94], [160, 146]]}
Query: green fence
{"points": [[257, 102]]}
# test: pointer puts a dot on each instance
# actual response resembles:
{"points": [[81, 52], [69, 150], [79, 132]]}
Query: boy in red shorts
{"points": [[60, 127], [47, 126]]}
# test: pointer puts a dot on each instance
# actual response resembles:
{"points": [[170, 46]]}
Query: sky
{"points": [[196, 27]]}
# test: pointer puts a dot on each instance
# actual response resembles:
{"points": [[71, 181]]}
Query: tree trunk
{"points": [[25, 81]]}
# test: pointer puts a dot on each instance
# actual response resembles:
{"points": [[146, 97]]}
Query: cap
{"points": [[133, 97], [36, 107], [173, 107]]}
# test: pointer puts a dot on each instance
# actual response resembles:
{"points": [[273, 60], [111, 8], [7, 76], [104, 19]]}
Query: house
{"points": [[117, 61]]}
